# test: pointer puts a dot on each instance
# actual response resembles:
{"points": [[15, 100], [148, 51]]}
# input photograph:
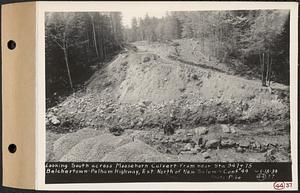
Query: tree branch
{"points": [[55, 40]]}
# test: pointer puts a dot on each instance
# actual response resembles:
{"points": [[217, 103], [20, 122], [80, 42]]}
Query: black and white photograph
{"points": [[176, 86], [168, 87]]}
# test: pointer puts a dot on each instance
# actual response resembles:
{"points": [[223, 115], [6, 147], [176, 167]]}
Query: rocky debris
{"points": [[201, 131], [200, 141], [53, 109], [256, 145], [227, 143], [197, 147], [147, 102], [146, 59], [232, 129], [194, 108], [186, 140], [171, 140], [206, 155], [124, 63], [270, 155], [174, 44], [194, 151], [182, 89], [262, 149], [187, 147], [228, 129], [168, 129], [240, 150], [179, 131], [244, 143], [212, 144], [225, 128], [54, 120], [110, 109], [116, 130], [107, 83], [199, 83], [194, 76]]}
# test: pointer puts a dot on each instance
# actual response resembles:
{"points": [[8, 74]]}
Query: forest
{"points": [[77, 44]]}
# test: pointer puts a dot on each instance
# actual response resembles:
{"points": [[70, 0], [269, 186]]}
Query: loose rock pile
{"points": [[176, 109]]}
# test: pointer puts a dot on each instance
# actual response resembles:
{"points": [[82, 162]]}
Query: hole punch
{"points": [[11, 44], [12, 148]]}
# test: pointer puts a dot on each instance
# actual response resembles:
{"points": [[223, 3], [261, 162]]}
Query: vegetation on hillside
{"points": [[79, 43], [257, 38], [76, 45]]}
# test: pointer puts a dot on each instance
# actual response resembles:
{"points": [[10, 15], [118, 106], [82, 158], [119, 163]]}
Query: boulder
{"points": [[206, 155], [174, 44], [146, 59], [213, 144], [194, 151], [200, 141], [110, 109], [197, 147], [201, 130], [187, 147], [186, 140], [256, 145], [124, 63], [227, 143], [53, 120], [49, 114], [147, 102], [240, 150], [194, 76], [54, 109], [232, 129], [225, 128], [105, 84], [244, 144], [182, 89]]}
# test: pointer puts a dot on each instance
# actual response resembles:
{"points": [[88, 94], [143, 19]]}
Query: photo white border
{"points": [[43, 7]]}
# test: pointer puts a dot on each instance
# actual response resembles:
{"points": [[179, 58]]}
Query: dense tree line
{"points": [[76, 45], [256, 38]]}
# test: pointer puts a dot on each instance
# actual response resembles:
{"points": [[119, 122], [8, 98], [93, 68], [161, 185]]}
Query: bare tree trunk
{"points": [[87, 47], [94, 35], [104, 49], [103, 46], [68, 68], [270, 72], [267, 66], [260, 62], [202, 20], [263, 78], [65, 47], [113, 27]]}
